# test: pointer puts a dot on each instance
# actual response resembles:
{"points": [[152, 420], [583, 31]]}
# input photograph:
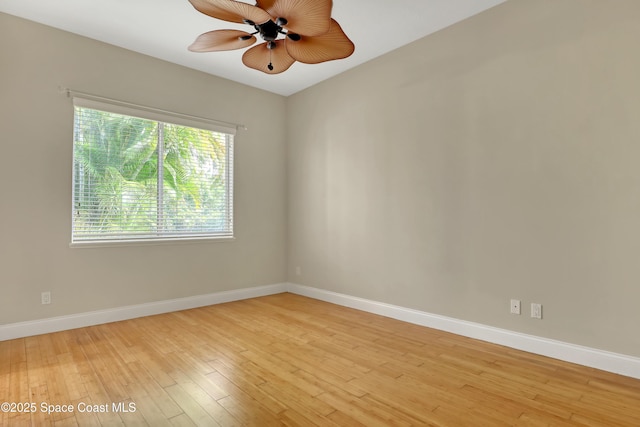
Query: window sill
{"points": [[149, 242]]}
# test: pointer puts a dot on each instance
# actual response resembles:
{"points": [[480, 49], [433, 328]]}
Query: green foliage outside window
{"points": [[139, 178]]}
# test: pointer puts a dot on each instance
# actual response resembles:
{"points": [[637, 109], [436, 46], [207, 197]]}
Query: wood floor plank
{"points": [[309, 407], [151, 412], [182, 420], [248, 380], [191, 408], [352, 407], [18, 380], [248, 411], [38, 390], [318, 373], [244, 384], [209, 405], [155, 392], [86, 418], [289, 360]]}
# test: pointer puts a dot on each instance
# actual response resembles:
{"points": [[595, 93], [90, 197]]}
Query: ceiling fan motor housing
{"points": [[269, 31]]}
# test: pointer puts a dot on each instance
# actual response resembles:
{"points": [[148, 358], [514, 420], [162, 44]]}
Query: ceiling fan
{"points": [[292, 30]]}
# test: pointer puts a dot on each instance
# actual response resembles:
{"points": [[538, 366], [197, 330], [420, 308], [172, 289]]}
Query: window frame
{"points": [[166, 117]]}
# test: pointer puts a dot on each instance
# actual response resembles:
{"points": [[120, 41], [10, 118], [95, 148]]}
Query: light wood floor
{"points": [[289, 360]]}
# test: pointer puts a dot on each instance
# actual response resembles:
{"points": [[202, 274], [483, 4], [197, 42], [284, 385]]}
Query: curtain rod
{"points": [[70, 93]]}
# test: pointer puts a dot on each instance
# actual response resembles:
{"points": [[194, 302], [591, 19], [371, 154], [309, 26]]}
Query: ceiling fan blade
{"points": [[305, 17], [259, 57], [232, 11], [312, 50], [218, 40]]}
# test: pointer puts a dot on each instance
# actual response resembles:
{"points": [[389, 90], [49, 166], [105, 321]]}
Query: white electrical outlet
{"points": [[515, 306], [536, 310], [45, 297]]}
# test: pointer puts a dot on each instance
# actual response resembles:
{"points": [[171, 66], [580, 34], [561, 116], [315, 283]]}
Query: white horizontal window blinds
{"points": [[143, 175]]}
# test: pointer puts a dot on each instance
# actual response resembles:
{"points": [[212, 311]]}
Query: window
{"points": [[141, 174]]}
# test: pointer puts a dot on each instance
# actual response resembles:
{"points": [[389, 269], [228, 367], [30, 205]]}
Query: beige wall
{"points": [[496, 159], [35, 179]]}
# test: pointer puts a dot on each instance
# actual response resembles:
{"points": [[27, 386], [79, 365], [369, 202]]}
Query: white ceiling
{"points": [[164, 28]]}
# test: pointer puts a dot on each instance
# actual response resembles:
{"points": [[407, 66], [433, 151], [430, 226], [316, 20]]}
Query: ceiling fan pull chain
{"points": [[270, 46]]}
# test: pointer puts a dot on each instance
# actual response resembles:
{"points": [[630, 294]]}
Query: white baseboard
{"points": [[586, 356], [62, 323]]}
